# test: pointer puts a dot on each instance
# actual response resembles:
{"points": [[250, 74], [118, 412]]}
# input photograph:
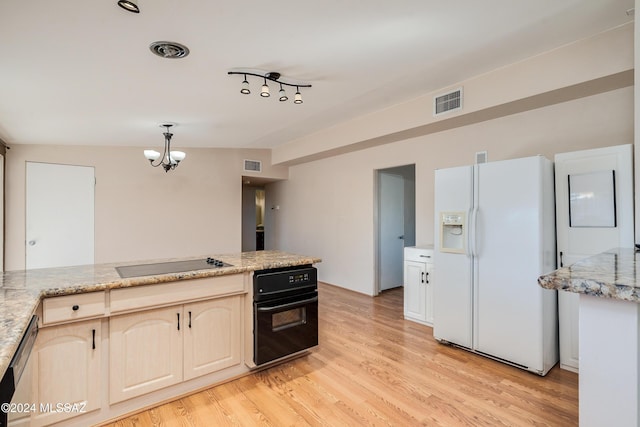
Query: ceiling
{"points": [[81, 72]]}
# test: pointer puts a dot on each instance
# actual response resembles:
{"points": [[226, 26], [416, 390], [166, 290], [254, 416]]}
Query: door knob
{"points": [[401, 237], [32, 242]]}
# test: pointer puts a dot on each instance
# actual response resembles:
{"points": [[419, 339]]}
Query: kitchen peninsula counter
{"points": [[611, 274], [22, 290], [609, 334]]}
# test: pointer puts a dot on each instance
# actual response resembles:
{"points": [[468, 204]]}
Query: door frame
{"points": [[408, 172]]}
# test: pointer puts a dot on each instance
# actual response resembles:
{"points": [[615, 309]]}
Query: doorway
{"points": [[253, 213], [395, 225]]}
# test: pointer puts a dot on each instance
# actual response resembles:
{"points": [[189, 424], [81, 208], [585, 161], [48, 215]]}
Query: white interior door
{"points": [[579, 239], [391, 220], [59, 215]]}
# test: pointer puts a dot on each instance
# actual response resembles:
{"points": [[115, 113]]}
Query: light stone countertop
{"points": [[610, 274], [22, 290]]}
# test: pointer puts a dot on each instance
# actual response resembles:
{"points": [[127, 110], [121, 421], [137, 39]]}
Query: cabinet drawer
{"points": [[412, 253], [139, 297], [73, 307]]}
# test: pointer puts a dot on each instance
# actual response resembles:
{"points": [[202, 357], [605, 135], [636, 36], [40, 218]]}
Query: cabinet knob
{"points": [[75, 307]]}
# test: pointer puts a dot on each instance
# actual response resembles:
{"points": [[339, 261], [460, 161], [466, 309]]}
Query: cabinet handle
{"points": [[75, 308], [189, 320], [427, 277], [561, 263], [422, 277], [178, 320], [93, 345], [425, 256]]}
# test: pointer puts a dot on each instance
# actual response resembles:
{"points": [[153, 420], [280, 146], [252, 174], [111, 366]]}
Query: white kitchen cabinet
{"points": [[212, 335], [66, 369], [418, 285], [145, 352], [154, 349]]}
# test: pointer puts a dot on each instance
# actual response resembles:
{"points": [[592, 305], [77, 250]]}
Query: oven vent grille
{"points": [[253, 166], [447, 102]]}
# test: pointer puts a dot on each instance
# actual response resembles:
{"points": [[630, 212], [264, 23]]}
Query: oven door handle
{"points": [[287, 305]]}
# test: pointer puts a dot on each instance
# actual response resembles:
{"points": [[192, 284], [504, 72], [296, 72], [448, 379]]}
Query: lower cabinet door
{"points": [[66, 372], [145, 352], [429, 295], [415, 291], [212, 335]]}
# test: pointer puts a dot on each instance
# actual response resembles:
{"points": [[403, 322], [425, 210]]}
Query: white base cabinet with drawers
{"points": [[110, 353], [418, 285]]}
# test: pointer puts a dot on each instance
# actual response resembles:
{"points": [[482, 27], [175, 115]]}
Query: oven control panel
{"points": [[299, 278], [285, 280]]}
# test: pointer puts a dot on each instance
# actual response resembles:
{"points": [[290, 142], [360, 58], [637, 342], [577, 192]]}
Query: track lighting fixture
{"points": [[264, 90], [129, 6], [169, 159]]}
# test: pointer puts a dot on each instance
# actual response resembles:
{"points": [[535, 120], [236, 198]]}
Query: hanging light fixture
{"points": [[264, 90], [169, 159], [129, 6]]}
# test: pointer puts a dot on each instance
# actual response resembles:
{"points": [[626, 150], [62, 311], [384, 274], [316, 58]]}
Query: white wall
{"points": [[559, 75], [142, 212], [327, 206]]}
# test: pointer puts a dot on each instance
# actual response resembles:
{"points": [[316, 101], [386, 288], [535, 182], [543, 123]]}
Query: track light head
{"points": [[264, 91], [283, 94], [297, 99], [245, 86]]}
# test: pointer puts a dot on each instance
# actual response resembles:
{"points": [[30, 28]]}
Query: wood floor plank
{"points": [[372, 367]]}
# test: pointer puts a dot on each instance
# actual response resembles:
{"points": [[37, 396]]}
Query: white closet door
{"points": [[581, 239], [59, 215]]}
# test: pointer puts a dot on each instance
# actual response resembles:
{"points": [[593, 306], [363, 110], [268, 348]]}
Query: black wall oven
{"points": [[285, 312]]}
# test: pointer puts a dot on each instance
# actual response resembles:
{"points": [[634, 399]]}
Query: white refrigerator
{"points": [[494, 236]]}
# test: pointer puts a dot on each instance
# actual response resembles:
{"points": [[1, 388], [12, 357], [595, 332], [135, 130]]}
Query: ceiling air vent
{"points": [[253, 166], [447, 102]]}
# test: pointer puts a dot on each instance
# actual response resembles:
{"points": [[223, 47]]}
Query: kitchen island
{"points": [[609, 334], [105, 296]]}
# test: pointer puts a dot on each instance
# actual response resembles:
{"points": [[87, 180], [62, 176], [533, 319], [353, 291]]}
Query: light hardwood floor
{"points": [[373, 367]]}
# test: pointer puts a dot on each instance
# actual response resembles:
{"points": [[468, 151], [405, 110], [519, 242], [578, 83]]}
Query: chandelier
{"points": [[169, 159], [264, 90]]}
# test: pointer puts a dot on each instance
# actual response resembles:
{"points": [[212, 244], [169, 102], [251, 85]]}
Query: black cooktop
{"points": [[127, 271]]}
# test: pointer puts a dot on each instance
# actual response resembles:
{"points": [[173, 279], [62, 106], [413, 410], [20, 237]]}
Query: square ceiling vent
{"points": [[447, 102], [252, 166]]}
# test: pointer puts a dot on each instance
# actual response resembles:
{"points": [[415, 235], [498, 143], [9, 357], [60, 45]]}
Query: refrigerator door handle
{"points": [[475, 231], [471, 230]]}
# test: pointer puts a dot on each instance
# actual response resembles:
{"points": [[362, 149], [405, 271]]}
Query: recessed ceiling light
{"points": [[129, 6]]}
